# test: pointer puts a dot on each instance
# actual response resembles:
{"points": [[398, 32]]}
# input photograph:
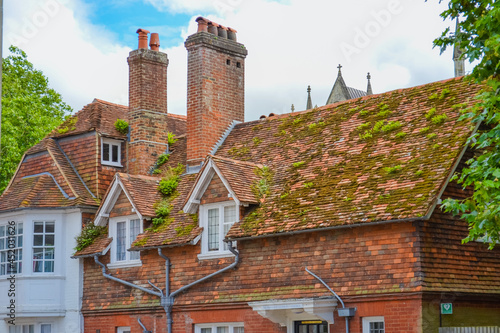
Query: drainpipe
{"points": [[167, 299], [335, 294], [144, 329]]}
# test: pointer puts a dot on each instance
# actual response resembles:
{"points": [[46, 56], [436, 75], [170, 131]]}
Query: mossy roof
{"points": [[377, 158]]}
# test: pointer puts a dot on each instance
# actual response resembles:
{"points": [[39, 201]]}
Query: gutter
{"points": [[167, 299]]}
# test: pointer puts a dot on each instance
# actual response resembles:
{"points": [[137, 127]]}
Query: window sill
{"points": [[125, 264], [215, 255], [118, 165]]}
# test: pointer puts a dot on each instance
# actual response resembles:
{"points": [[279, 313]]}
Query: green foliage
{"points": [[424, 130], [308, 185], [418, 173], [363, 126], [366, 135], [391, 126], [433, 96], [67, 125], [478, 37], [169, 183], [298, 164], [400, 135], [162, 159], [439, 119], [262, 187], [121, 126], [256, 141], [393, 169], [430, 113], [384, 110], [431, 135], [378, 126], [30, 111], [88, 235], [171, 138]]}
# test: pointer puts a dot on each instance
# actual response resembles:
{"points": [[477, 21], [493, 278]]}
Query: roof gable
{"points": [[237, 177]]}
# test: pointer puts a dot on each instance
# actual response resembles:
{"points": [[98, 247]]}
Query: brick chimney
{"points": [[147, 115], [216, 78]]}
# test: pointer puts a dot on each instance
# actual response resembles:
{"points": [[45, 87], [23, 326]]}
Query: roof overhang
{"points": [[109, 201], [208, 171], [285, 312]]}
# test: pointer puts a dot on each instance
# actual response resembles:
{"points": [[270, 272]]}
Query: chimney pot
{"points": [[212, 28], [222, 31], [202, 24], [231, 34], [154, 43], [143, 38]]}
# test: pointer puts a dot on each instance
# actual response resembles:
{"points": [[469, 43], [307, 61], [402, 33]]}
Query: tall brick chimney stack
{"points": [[215, 95], [147, 115]]}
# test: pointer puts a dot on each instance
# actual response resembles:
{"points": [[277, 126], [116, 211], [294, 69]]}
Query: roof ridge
{"points": [[97, 100]]}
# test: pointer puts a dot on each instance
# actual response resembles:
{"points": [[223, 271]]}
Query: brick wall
{"points": [[215, 95], [147, 108], [215, 192], [122, 206]]}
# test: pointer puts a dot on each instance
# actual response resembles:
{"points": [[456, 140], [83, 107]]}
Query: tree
{"points": [[30, 110], [478, 35]]}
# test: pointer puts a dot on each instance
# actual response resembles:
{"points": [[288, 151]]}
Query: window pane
{"points": [[206, 330], [37, 266], [38, 253], [45, 328], [120, 241], [49, 227], [2, 243], [2, 231], [19, 228], [223, 329], [135, 229], [229, 214], [114, 154], [213, 229], [49, 240], [377, 327], [239, 330], [49, 266], [38, 240], [38, 227], [49, 253], [105, 151]]}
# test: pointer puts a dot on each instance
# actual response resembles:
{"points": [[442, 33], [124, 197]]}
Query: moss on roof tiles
{"points": [[377, 158]]}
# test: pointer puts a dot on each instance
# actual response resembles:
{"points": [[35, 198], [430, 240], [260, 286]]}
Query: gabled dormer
{"points": [[220, 195], [124, 210]]}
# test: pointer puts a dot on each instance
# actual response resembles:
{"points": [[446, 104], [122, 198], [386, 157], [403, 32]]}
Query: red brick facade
{"points": [[147, 108], [215, 91]]}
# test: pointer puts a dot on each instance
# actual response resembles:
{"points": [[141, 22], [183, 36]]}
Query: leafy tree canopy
{"points": [[478, 35], [30, 110]]}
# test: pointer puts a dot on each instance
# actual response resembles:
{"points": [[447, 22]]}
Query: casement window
{"points": [[216, 220], [31, 328], [124, 231], [219, 328], [373, 325], [111, 152], [43, 246], [11, 248]]}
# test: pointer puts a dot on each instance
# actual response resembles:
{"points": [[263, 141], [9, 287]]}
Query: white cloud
{"points": [[291, 44]]}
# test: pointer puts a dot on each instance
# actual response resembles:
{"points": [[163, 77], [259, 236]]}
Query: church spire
{"points": [[369, 87], [309, 101], [457, 56]]}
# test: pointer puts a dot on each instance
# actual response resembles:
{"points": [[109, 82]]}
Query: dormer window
{"points": [[216, 220], [111, 152]]}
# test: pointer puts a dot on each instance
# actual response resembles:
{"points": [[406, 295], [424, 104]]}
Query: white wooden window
{"points": [[123, 329], [219, 328], [43, 246], [216, 220], [11, 248], [124, 231], [31, 328], [111, 152], [373, 324]]}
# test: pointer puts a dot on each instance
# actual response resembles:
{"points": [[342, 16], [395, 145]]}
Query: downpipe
{"points": [[167, 299], [335, 294]]}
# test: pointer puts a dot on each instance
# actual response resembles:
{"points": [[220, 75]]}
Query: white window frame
{"points": [[221, 252], [123, 329], [44, 246], [8, 232], [111, 143], [113, 230], [368, 320], [213, 326], [37, 328]]}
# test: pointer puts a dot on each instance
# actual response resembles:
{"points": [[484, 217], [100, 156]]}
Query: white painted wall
{"points": [[53, 298]]}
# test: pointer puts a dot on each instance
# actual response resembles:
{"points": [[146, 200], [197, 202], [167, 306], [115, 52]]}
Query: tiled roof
{"points": [[180, 228], [240, 175], [96, 248], [142, 190], [378, 158]]}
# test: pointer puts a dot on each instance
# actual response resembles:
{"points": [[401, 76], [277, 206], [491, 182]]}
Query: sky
{"points": [[82, 45]]}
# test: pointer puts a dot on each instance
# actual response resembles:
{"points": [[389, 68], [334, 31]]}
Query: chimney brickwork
{"points": [[215, 96], [147, 106]]}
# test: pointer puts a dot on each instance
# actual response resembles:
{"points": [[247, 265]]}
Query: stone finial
{"points": [[369, 90], [309, 101], [293, 108], [458, 61]]}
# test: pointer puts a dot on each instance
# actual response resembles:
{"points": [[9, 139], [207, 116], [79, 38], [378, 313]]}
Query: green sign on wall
{"points": [[446, 308]]}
